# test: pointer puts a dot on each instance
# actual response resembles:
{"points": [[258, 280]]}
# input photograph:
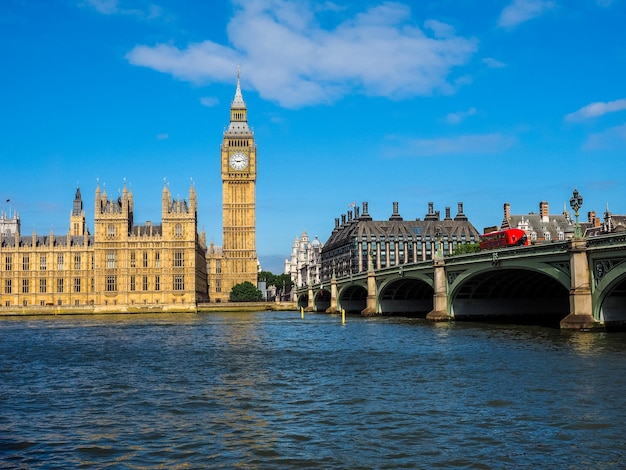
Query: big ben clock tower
{"points": [[238, 158]]}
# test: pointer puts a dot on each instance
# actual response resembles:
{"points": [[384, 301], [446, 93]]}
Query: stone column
{"points": [[440, 296], [311, 305], [370, 309], [333, 295], [580, 303]]}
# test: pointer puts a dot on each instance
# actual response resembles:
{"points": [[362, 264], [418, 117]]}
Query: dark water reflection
{"points": [[271, 390]]}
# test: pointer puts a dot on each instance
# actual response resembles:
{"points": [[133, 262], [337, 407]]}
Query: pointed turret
{"points": [[77, 216], [238, 113]]}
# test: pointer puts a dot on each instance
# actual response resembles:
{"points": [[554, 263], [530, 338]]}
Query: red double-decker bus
{"points": [[503, 238]]}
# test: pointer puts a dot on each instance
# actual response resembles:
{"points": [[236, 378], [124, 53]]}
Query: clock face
{"points": [[238, 161]]}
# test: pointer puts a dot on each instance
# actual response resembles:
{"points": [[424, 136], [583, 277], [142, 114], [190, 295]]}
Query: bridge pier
{"points": [[440, 296], [580, 301], [370, 309], [333, 295], [311, 303]]}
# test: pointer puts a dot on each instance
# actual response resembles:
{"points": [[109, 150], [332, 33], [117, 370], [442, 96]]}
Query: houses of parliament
{"points": [[124, 267]]}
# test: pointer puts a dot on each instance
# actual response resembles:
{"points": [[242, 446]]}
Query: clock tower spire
{"points": [[239, 164]]}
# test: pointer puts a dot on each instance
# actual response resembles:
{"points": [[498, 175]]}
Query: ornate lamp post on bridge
{"points": [[576, 202], [438, 247]]}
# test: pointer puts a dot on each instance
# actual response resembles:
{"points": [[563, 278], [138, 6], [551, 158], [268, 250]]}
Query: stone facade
{"points": [[120, 267], [305, 264], [236, 260]]}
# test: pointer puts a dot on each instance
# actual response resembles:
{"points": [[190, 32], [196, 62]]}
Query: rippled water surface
{"points": [[272, 390]]}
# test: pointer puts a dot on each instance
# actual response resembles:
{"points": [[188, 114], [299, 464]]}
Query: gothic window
{"points": [[179, 259], [157, 283], [132, 259], [132, 283], [60, 263], [26, 263], [60, 285], [179, 230], [179, 282], [144, 284], [7, 286], [8, 263], [42, 263], [24, 286], [42, 286], [110, 259], [145, 259], [111, 285], [157, 259], [77, 262], [77, 284], [111, 230]]}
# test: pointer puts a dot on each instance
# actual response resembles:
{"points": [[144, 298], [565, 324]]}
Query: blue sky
{"points": [[483, 102]]}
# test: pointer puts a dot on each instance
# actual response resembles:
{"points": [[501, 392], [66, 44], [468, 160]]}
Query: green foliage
{"points": [[245, 292], [277, 281], [466, 248]]}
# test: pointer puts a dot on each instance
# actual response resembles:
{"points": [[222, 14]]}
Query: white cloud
{"points": [[455, 118], [476, 144], [596, 109], [493, 63], [209, 101], [113, 7], [295, 62], [106, 7], [521, 11], [613, 138]]}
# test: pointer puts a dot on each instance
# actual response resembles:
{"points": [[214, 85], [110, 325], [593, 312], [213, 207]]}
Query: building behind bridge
{"points": [[358, 241], [543, 227]]}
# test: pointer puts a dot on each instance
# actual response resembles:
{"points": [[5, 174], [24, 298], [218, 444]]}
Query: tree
{"points": [[245, 292], [282, 282], [465, 248]]}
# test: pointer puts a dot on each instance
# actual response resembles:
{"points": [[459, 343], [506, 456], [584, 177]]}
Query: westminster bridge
{"points": [[579, 284]]}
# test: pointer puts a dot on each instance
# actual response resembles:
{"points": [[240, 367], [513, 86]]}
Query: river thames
{"points": [[273, 390]]}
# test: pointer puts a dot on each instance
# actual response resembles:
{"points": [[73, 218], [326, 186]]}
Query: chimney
{"points": [[507, 211], [365, 215], [448, 217], [395, 215], [432, 215], [460, 215], [544, 212], [593, 219]]}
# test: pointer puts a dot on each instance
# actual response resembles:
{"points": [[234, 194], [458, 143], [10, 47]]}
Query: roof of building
{"points": [[364, 227]]}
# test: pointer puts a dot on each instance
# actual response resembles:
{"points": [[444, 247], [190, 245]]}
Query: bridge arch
{"points": [[610, 306], [516, 293], [303, 301], [321, 300], [352, 298], [407, 295]]}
